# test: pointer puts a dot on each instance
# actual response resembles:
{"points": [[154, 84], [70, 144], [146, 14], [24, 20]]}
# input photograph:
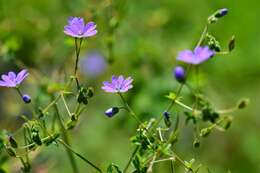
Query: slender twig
{"points": [[182, 162], [131, 158], [172, 166], [79, 155], [66, 139], [129, 109], [65, 104], [163, 160], [77, 52], [150, 167], [202, 37], [51, 104]]}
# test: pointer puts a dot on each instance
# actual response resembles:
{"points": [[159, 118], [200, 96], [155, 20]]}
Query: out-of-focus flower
{"points": [[13, 80], [118, 84], [111, 111], [198, 56], [179, 74], [76, 28], [26, 98], [93, 64]]}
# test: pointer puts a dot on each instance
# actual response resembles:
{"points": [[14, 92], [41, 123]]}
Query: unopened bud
{"points": [[167, 120], [221, 13], [12, 142], [26, 98], [232, 44], [243, 103], [90, 92], [205, 132], [10, 151], [196, 143], [111, 111], [179, 74]]}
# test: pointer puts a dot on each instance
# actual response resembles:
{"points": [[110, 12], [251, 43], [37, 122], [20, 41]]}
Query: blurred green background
{"points": [[144, 45]]}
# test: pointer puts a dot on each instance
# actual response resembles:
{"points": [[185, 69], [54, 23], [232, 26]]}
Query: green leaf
{"points": [[171, 96], [112, 168]]}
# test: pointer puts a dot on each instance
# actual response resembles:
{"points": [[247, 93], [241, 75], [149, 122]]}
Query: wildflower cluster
{"points": [[155, 138]]}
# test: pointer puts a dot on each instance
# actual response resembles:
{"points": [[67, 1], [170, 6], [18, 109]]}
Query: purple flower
{"points": [[118, 84], [13, 80], [93, 64], [198, 56], [76, 28]]}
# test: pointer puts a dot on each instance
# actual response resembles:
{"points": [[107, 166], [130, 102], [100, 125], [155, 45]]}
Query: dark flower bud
{"points": [[26, 98], [36, 136], [179, 74], [228, 123], [243, 103], [52, 139], [205, 132], [218, 14], [13, 142], [196, 143], [232, 44], [71, 124], [83, 96], [111, 111], [11, 152], [167, 121], [90, 92], [221, 12], [213, 43]]}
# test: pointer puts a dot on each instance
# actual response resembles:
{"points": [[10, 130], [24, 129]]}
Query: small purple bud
{"points": [[111, 111], [167, 119], [179, 74], [26, 98], [166, 115], [221, 12]]}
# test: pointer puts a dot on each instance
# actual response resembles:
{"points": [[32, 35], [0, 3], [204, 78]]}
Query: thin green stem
{"points": [[202, 37], [163, 160], [19, 92], [65, 104], [51, 104], [77, 52], [79, 155], [172, 166], [131, 158], [182, 162], [129, 109], [150, 167], [66, 139]]}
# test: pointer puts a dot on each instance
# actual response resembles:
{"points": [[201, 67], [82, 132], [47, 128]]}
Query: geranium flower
{"points": [[118, 84], [76, 28], [13, 80], [198, 56]]}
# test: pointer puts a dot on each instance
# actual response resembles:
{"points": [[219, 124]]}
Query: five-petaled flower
{"points": [[13, 80], [76, 28], [198, 56], [118, 84]]}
